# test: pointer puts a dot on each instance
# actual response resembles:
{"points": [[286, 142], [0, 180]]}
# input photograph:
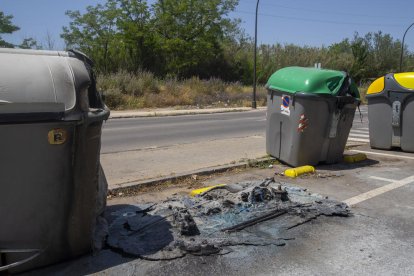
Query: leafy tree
{"points": [[6, 27], [135, 24], [360, 52], [385, 52], [95, 33], [30, 43], [190, 33]]}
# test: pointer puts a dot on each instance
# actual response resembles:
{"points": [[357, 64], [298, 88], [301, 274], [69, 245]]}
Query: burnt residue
{"points": [[249, 213], [183, 220]]}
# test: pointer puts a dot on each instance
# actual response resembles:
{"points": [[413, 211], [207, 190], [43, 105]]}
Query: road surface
{"points": [[143, 148]]}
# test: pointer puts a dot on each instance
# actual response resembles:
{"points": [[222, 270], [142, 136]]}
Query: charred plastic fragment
{"points": [[183, 219], [260, 194], [280, 194]]}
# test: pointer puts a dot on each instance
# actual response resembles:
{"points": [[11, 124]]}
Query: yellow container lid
{"points": [[377, 86], [406, 79]]}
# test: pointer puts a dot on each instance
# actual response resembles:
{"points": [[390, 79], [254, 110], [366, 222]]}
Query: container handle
{"points": [[36, 252], [97, 115]]}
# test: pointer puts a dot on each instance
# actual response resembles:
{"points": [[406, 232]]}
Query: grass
{"points": [[143, 90]]}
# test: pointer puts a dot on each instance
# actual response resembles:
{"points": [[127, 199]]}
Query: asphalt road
{"points": [[141, 133], [377, 239]]}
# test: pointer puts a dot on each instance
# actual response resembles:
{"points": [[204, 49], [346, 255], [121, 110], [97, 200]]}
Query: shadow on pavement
{"points": [[348, 166], [149, 241]]}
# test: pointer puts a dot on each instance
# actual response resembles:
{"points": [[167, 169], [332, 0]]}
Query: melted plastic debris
{"points": [[256, 213]]}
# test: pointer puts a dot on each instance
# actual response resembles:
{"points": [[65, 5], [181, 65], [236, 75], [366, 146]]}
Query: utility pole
{"points": [[254, 104], [402, 46]]}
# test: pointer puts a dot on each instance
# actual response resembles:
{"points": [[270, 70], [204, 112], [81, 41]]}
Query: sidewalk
{"points": [[159, 112], [126, 168]]}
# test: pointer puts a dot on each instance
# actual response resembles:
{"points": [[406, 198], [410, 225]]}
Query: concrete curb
{"points": [[163, 113], [130, 186]]}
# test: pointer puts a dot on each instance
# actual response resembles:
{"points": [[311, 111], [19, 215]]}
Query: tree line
{"points": [[185, 38]]}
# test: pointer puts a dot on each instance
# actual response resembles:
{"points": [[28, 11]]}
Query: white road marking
{"points": [[359, 135], [379, 191], [384, 154], [359, 131], [358, 140], [382, 178]]}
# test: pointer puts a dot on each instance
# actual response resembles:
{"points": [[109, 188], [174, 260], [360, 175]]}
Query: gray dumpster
{"points": [[309, 115], [51, 192], [391, 112]]}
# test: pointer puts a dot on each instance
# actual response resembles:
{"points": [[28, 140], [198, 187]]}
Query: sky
{"points": [[301, 22]]}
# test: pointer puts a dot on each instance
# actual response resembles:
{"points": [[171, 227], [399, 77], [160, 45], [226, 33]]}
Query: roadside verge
{"points": [[172, 112]]}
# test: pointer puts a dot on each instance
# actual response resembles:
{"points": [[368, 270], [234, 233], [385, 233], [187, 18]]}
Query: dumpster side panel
{"points": [[407, 138], [380, 120], [34, 205], [83, 211], [278, 127], [296, 138], [309, 130], [338, 143]]}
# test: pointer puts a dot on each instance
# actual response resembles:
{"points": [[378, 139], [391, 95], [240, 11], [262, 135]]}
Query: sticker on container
{"points": [[284, 107], [57, 136], [303, 123]]}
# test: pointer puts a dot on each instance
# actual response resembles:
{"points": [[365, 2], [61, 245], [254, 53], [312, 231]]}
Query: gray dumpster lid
{"points": [[36, 81]]}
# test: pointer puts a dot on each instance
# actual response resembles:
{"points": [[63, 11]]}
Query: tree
{"points": [[360, 52], [135, 24], [190, 33], [6, 27], [95, 34], [49, 41], [30, 43], [117, 35]]}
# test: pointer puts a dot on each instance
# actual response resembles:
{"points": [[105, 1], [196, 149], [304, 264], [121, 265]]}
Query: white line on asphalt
{"points": [[379, 191], [384, 154], [359, 131], [359, 135], [382, 178], [357, 140]]}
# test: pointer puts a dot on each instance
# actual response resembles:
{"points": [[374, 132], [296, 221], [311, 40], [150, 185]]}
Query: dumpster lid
{"points": [[405, 79], [36, 81], [307, 80]]}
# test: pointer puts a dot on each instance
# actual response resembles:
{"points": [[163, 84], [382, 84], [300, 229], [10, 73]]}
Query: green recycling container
{"points": [[391, 112], [309, 115]]}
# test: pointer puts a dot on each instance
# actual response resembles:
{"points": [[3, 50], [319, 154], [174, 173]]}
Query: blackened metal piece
{"points": [[254, 221]]}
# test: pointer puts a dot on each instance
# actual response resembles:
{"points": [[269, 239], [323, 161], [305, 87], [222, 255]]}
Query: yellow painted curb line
{"points": [[204, 190], [295, 172]]}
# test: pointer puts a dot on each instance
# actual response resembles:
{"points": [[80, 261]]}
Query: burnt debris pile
{"points": [[255, 213]]}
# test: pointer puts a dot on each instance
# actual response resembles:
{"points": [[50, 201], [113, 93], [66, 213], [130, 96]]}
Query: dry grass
{"points": [[363, 92], [143, 90]]}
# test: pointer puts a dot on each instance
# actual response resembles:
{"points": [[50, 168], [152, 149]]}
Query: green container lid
{"points": [[309, 80]]}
